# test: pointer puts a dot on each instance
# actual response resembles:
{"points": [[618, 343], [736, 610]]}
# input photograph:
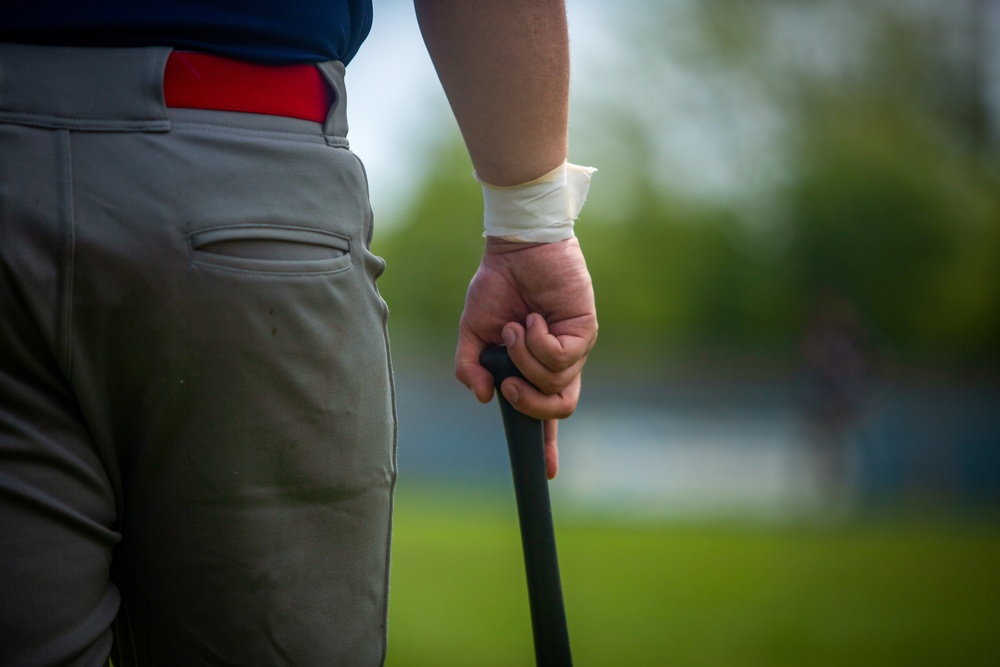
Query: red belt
{"points": [[202, 81]]}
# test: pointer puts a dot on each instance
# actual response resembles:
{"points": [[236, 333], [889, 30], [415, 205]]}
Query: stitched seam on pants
{"points": [[395, 473], [370, 216], [64, 334], [54, 122], [238, 130]]}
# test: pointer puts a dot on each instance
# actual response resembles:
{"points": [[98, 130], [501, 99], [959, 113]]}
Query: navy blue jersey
{"points": [[272, 31]]}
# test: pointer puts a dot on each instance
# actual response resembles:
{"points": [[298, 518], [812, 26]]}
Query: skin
{"points": [[505, 69]]}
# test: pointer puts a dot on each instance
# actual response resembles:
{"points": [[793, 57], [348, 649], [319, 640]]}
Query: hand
{"points": [[537, 299]]}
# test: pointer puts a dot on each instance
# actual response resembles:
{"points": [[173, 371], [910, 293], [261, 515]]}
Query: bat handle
{"points": [[526, 446]]}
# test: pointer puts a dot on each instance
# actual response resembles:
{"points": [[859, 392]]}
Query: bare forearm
{"points": [[504, 65]]}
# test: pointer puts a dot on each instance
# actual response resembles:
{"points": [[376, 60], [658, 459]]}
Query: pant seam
{"points": [[67, 252], [225, 129], [392, 484]]}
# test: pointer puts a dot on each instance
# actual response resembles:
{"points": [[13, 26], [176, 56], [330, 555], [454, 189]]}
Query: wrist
{"points": [[543, 210]]}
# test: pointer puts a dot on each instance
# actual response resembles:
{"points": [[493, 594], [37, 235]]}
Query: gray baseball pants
{"points": [[197, 433]]}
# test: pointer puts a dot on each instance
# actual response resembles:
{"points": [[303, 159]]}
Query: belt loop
{"points": [[335, 127]]}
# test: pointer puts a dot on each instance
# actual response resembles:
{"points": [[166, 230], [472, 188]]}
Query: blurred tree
{"points": [[903, 227]]}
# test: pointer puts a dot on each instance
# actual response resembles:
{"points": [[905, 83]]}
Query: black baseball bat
{"points": [[526, 445]]}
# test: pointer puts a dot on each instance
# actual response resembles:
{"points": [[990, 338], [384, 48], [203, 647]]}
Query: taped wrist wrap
{"points": [[539, 211]]}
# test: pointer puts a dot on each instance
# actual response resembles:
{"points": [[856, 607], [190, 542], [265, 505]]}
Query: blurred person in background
{"points": [[197, 434], [840, 369]]}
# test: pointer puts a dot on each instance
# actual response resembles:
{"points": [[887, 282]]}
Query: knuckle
{"points": [[551, 387], [561, 360], [564, 412]]}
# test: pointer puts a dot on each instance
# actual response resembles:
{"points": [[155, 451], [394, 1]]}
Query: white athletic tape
{"points": [[539, 211]]}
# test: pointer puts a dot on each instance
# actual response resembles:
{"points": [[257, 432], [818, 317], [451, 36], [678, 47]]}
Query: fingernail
{"points": [[513, 394], [509, 337], [530, 321]]}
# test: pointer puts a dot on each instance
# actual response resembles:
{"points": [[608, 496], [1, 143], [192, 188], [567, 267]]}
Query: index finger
{"points": [[469, 371]]}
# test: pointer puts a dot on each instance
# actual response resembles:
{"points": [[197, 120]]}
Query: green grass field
{"points": [[880, 593]]}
